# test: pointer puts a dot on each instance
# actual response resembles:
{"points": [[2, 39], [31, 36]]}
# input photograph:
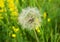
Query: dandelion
{"points": [[49, 19], [13, 35], [15, 29], [2, 3], [29, 18], [10, 1], [12, 6], [13, 9]]}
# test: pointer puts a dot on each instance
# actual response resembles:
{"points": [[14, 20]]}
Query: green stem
{"points": [[36, 35], [55, 29]]}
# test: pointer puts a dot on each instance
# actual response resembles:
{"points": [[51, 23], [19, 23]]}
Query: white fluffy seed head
{"points": [[29, 18]]}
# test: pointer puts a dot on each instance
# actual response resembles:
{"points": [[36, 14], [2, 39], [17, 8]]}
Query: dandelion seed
{"points": [[29, 18]]}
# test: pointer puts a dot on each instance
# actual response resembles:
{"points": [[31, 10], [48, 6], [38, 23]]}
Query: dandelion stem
{"points": [[36, 35]]}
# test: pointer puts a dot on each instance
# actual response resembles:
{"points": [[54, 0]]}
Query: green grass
{"points": [[49, 31]]}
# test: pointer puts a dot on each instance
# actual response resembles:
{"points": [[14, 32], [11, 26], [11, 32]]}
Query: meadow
{"points": [[47, 31]]}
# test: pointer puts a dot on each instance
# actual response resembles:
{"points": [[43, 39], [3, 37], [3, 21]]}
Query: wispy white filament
{"points": [[28, 17]]}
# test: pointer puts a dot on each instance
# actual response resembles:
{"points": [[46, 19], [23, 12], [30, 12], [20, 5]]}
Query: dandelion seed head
{"points": [[29, 18]]}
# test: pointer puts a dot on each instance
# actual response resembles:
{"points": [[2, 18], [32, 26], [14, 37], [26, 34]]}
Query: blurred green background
{"points": [[11, 31]]}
